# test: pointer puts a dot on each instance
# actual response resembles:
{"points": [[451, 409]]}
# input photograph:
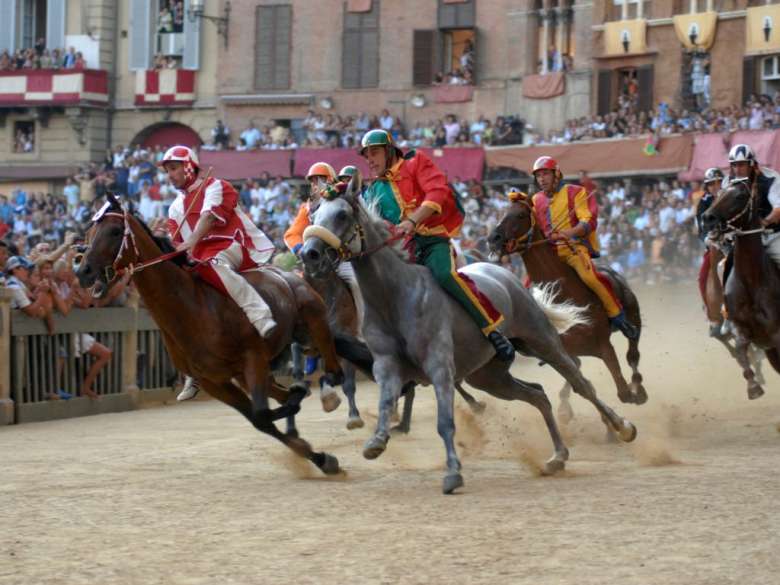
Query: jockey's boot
{"points": [[190, 390], [311, 365], [619, 322], [505, 351], [265, 327]]}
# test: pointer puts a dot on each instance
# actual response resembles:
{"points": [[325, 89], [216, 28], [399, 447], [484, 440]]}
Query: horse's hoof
{"points": [[755, 391], [640, 394], [553, 466], [330, 398], [626, 397], [452, 481], [399, 430], [628, 432], [331, 465], [355, 422], [477, 407], [374, 447]]}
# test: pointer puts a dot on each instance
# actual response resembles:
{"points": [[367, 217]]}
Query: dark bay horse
{"points": [[517, 231], [752, 290], [205, 332], [416, 332]]}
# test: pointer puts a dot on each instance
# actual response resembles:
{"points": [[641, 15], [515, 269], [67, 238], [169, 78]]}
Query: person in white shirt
{"points": [[251, 136], [386, 121]]}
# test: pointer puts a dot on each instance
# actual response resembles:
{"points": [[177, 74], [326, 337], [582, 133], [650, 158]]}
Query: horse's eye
{"points": [[341, 215]]}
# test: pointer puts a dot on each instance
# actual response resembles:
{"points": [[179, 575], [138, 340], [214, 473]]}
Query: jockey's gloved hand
{"points": [[297, 249]]}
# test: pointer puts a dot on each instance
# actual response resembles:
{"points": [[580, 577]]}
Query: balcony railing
{"points": [[53, 87], [165, 87]]}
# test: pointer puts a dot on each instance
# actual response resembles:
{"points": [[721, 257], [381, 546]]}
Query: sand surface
{"points": [[192, 494]]}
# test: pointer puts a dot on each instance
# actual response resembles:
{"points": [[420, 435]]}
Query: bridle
{"points": [[748, 209], [524, 238]]}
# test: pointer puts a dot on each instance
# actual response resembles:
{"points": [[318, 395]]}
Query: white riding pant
{"points": [[347, 274], [225, 264]]}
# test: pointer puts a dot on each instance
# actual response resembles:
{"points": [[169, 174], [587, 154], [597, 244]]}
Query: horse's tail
{"points": [[355, 352], [564, 315]]}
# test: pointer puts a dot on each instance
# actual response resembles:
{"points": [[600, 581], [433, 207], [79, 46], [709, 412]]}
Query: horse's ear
{"points": [[354, 187], [517, 197]]}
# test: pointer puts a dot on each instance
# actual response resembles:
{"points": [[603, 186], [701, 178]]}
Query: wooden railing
{"points": [[34, 365]]}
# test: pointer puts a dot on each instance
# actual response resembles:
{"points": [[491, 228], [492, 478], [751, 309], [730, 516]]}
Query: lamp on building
{"points": [[625, 40], [767, 28], [326, 103], [196, 11], [693, 35]]}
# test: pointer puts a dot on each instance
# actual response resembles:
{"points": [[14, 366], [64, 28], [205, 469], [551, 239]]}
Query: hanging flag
{"points": [[651, 146]]}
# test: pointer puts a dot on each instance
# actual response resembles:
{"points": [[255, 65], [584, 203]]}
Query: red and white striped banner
{"points": [[170, 87], [38, 87]]}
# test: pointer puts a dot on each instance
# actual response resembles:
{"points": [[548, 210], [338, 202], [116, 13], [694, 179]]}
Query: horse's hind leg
{"points": [[756, 357], [754, 389], [408, 392], [354, 421], [494, 378], [565, 411], [297, 361], [475, 405], [632, 356]]}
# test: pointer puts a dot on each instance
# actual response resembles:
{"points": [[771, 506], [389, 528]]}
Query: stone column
{"points": [[624, 10], [693, 7], [6, 403], [640, 9], [546, 13], [130, 352]]}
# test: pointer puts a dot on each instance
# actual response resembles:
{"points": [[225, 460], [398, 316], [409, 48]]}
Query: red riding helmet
{"points": [[182, 154], [546, 163]]}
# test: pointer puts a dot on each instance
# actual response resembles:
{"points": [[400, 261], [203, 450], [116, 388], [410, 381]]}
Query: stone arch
{"points": [[167, 134]]}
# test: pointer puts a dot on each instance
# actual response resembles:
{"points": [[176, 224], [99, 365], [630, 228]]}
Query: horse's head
{"points": [[732, 207], [106, 235], [334, 233], [515, 227]]}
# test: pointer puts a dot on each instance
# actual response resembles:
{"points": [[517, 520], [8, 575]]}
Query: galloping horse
{"points": [[752, 290], [712, 295], [206, 333], [416, 332], [517, 231]]}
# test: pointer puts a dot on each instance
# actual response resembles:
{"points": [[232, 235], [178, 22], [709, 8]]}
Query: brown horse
{"points": [[752, 288], [517, 231], [206, 333]]}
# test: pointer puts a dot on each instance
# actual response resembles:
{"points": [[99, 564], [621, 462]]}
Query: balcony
{"points": [[50, 87], [164, 88]]}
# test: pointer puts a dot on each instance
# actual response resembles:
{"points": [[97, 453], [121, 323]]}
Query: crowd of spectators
{"points": [[41, 57], [335, 131], [24, 139], [170, 18], [760, 113]]}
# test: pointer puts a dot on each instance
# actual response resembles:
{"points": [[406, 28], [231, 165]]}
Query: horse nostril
{"points": [[312, 255]]}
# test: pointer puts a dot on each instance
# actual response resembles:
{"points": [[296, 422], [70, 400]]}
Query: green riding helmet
{"points": [[347, 172], [378, 138]]}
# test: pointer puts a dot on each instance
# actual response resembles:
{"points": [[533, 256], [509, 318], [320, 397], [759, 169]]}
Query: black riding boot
{"points": [[504, 349]]}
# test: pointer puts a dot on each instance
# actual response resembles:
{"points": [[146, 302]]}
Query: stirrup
{"points": [[505, 351]]}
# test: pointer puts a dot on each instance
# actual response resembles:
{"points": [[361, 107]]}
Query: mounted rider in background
{"points": [[568, 217], [412, 193]]}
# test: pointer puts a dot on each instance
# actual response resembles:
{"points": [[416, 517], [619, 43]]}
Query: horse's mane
{"points": [[382, 226], [165, 244]]}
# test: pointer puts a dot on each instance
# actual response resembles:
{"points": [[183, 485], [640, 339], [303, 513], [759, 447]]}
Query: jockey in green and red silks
{"points": [[412, 193]]}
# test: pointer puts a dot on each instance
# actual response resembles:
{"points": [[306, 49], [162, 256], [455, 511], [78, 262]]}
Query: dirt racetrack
{"points": [[192, 494]]}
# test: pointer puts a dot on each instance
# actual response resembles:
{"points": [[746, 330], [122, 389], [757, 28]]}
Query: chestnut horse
{"points": [[205, 332], [517, 231], [752, 290]]}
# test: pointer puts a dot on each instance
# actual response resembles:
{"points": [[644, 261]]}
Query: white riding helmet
{"points": [[182, 154], [741, 153], [712, 175]]}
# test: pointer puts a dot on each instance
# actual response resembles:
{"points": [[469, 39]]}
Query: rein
{"points": [[733, 230]]}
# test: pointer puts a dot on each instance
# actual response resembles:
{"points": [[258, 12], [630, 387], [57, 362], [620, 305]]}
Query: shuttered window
{"points": [[273, 33], [426, 56], [457, 14], [8, 25], [55, 23], [140, 34], [191, 53], [748, 78], [360, 48], [604, 98], [645, 79]]}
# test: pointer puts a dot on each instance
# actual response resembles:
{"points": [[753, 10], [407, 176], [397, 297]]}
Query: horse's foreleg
{"points": [[354, 421], [297, 361], [756, 357], [475, 405], [495, 379], [386, 375], [444, 383], [754, 389], [314, 315], [610, 359], [565, 411]]}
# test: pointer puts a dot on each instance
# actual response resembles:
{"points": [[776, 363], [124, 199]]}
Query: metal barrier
{"points": [[35, 365]]}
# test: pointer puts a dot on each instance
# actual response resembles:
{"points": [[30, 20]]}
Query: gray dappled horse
{"points": [[416, 332]]}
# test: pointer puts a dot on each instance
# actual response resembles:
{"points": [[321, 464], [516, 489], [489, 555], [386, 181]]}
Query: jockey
{"points": [[412, 193], [743, 165], [346, 173], [567, 217], [209, 224], [712, 182], [322, 179]]}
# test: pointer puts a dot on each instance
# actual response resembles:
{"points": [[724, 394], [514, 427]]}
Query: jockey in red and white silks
{"points": [[205, 220]]}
